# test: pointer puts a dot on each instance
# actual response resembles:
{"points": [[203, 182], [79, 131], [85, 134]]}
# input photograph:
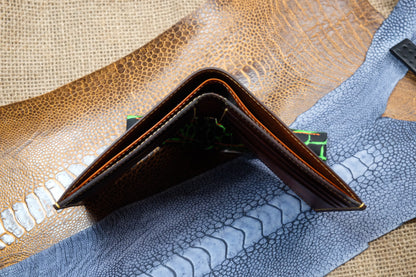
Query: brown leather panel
{"points": [[223, 97], [402, 101], [169, 159], [288, 53]]}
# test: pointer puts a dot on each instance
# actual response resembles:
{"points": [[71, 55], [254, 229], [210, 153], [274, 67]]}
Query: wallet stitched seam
{"points": [[130, 131], [149, 135], [239, 110], [252, 98], [289, 156], [279, 123], [290, 134]]}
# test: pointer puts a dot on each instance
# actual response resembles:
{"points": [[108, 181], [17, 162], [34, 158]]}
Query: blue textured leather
{"points": [[240, 220]]}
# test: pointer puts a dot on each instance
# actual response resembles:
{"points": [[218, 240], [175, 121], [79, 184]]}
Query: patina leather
{"points": [[213, 94], [288, 53]]}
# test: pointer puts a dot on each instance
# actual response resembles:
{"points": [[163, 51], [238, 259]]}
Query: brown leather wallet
{"points": [[212, 93]]}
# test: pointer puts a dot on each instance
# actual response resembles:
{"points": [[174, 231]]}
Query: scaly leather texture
{"points": [[212, 93], [237, 220], [288, 53]]}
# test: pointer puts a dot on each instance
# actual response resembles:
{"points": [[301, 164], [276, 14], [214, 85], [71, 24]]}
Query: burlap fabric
{"points": [[383, 6], [45, 44]]}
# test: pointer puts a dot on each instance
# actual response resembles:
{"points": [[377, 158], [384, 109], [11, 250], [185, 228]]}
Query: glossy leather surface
{"points": [[288, 53], [219, 96]]}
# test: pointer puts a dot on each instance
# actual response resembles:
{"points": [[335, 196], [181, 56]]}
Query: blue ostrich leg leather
{"points": [[240, 220]]}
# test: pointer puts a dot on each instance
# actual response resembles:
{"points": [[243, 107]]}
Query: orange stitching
{"points": [[113, 161], [154, 129], [294, 160], [301, 145]]}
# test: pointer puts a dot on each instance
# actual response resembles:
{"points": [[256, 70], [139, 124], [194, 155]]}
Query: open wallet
{"points": [[213, 94]]}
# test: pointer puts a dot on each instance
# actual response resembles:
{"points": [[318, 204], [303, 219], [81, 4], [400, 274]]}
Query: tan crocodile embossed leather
{"points": [[288, 53]]}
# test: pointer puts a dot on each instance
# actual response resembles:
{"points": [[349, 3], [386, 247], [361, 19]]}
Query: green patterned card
{"points": [[208, 133]]}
